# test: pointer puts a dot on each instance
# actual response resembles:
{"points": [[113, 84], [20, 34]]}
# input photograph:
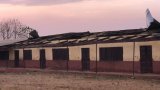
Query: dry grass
{"points": [[66, 81]]}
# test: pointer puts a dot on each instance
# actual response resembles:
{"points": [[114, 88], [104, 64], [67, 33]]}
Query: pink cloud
{"points": [[86, 15], [37, 2]]}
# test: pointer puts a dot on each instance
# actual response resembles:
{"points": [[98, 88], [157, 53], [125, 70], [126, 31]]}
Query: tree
{"points": [[13, 29]]}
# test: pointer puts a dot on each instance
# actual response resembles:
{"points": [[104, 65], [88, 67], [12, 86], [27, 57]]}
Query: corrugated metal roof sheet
{"points": [[83, 38], [9, 42], [88, 38]]}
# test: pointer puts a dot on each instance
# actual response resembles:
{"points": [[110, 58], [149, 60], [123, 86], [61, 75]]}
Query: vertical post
{"points": [[68, 55], [7, 60], [133, 58], [7, 63], [96, 59], [24, 61], [96, 55]]}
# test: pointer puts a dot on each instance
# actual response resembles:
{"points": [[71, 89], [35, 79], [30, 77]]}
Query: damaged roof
{"points": [[84, 38], [152, 32], [10, 42]]}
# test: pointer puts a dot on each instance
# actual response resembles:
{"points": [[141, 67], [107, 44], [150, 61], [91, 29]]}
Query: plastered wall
{"points": [[35, 53], [155, 49], [48, 53], [127, 49], [11, 54], [20, 54], [75, 51]]}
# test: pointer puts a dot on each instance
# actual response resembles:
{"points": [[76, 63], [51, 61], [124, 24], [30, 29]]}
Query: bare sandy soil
{"points": [[65, 81]]}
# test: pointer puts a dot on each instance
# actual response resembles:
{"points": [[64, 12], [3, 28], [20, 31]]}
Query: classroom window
{"points": [[27, 55], [60, 54], [4, 55], [111, 54]]}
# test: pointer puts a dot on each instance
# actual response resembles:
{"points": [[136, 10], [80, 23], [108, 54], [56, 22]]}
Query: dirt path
{"points": [[65, 81]]}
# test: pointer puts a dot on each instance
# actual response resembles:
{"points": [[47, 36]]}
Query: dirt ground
{"points": [[66, 81]]}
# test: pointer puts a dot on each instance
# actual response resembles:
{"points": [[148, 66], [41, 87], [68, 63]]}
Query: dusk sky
{"points": [[60, 16]]}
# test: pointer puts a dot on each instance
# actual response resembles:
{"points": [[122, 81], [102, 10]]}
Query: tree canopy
{"points": [[13, 29]]}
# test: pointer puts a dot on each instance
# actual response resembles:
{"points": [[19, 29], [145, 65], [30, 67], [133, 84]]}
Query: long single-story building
{"points": [[134, 50]]}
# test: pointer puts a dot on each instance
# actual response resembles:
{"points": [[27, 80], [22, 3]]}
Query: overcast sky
{"points": [[60, 16]]}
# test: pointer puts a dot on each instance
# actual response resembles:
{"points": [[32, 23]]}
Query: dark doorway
{"points": [[4, 55], [146, 59], [85, 59], [42, 59], [16, 59]]}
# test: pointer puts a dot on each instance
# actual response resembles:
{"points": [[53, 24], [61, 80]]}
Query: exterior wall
{"points": [[10, 63], [156, 67], [155, 49], [20, 54], [118, 66], [127, 49], [74, 62], [55, 48], [35, 53], [56, 65], [31, 64], [11, 54], [127, 64], [48, 53], [75, 52], [75, 65], [3, 63]]}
